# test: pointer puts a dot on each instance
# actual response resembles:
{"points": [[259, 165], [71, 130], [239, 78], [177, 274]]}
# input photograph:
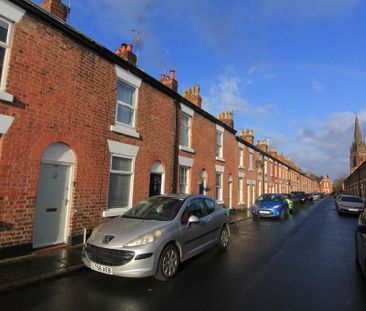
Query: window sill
{"points": [[121, 129], [187, 149], [241, 167], [115, 212], [220, 202], [6, 97], [220, 159]]}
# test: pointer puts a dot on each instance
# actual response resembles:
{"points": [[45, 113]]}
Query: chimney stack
{"points": [[56, 8], [125, 52], [227, 118], [247, 135], [263, 145], [170, 81], [193, 95]]}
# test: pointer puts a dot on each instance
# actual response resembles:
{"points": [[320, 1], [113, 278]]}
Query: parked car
{"points": [[270, 205], [361, 242], [292, 202], [301, 196], [156, 235], [349, 204], [317, 195]]}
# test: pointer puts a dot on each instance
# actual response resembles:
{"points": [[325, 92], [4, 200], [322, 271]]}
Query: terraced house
{"points": [[85, 133]]}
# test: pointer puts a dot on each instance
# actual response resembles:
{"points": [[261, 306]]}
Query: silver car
{"points": [[349, 204], [153, 237]]}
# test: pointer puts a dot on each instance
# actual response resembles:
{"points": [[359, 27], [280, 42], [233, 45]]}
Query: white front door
{"points": [[51, 205]]}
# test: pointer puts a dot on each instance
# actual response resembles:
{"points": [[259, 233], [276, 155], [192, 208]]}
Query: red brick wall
{"points": [[66, 93]]}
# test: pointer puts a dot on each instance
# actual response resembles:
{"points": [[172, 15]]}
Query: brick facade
{"points": [[60, 88]]}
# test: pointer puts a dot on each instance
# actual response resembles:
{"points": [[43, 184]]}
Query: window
{"points": [[241, 157], [185, 130], [219, 144], [4, 46], [251, 161], [240, 189], [126, 97], [120, 182], [196, 208], [211, 206], [218, 187], [183, 179]]}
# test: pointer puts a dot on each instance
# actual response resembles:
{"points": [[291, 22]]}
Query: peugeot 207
{"points": [[156, 235]]}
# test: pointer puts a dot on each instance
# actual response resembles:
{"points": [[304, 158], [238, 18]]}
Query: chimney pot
{"points": [[162, 77], [129, 47], [172, 74], [126, 53]]}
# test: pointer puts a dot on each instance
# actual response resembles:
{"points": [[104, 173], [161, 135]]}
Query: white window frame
{"points": [[241, 190], [220, 148], [241, 155], [128, 78], [251, 159], [187, 170], [186, 111], [10, 13], [126, 151], [219, 189]]}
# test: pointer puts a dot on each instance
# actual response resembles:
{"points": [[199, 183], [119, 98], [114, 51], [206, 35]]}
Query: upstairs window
{"points": [[4, 46], [219, 144], [126, 106], [185, 130]]}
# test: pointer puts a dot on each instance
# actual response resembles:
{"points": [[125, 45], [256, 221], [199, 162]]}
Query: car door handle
{"points": [[209, 221]]}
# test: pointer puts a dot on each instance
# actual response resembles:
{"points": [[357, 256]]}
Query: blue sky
{"points": [[292, 70]]}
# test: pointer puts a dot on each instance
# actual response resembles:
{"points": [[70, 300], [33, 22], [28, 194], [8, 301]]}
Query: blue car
{"points": [[271, 205]]}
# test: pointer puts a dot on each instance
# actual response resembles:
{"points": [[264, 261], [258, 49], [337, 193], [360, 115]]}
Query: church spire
{"points": [[358, 142], [358, 148]]}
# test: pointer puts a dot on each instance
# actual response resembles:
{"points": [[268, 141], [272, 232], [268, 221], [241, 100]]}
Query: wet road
{"points": [[306, 262]]}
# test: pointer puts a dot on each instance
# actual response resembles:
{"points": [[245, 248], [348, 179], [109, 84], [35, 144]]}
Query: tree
{"points": [[338, 182]]}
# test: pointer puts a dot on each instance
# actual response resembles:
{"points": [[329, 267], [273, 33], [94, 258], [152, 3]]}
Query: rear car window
{"points": [[351, 199]]}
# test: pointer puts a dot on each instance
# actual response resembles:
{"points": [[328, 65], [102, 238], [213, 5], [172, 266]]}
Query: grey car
{"points": [[349, 204], [154, 236]]}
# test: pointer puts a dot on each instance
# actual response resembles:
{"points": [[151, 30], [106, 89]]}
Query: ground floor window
{"points": [[183, 179], [240, 189], [218, 186], [120, 182]]}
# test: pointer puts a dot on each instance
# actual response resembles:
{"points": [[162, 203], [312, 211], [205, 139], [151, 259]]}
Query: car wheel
{"points": [[168, 263], [224, 239]]}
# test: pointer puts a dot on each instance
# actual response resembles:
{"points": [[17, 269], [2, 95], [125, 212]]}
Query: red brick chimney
{"points": [[227, 118], [263, 145], [125, 52], [247, 135], [170, 81], [56, 8], [193, 95]]}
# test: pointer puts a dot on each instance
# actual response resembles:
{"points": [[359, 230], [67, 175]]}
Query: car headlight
{"points": [[94, 232], [146, 238], [276, 206]]}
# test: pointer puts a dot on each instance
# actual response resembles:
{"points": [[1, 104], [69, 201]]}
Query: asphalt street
{"points": [[306, 262]]}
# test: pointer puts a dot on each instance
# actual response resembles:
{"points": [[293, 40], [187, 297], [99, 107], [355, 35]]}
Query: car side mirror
{"points": [[193, 220]]}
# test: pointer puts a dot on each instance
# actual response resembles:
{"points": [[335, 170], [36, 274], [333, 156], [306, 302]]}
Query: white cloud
{"points": [[316, 85], [324, 147], [226, 95]]}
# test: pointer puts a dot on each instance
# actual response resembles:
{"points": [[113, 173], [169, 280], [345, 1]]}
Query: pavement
{"points": [[57, 261]]}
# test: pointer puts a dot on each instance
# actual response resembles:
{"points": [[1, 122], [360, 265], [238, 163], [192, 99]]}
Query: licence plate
{"points": [[353, 209], [100, 268], [265, 212]]}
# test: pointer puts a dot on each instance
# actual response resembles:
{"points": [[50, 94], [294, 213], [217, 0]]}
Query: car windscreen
{"points": [[269, 197], [162, 209], [351, 199]]}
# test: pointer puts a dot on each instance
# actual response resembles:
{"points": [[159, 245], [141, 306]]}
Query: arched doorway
{"points": [[203, 182], [52, 204], [156, 179]]}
